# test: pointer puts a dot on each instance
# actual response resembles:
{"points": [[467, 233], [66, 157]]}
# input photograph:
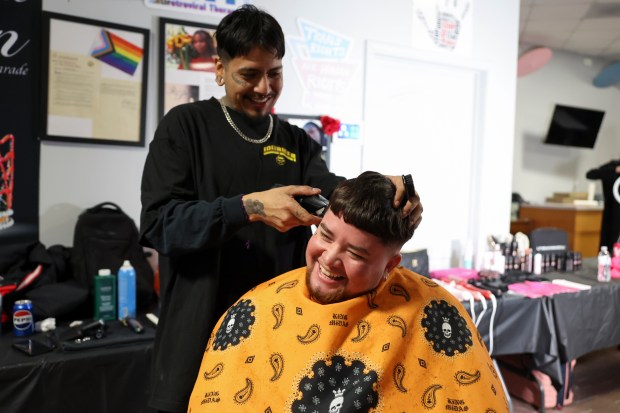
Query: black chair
{"points": [[548, 240]]}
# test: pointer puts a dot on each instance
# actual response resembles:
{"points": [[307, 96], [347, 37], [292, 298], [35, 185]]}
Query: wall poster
{"points": [[322, 62], [186, 64], [445, 26], [19, 147], [217, 8], [94, 81]]}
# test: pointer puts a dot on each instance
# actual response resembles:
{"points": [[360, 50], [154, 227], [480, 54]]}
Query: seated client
{"points": [[351, 332]]}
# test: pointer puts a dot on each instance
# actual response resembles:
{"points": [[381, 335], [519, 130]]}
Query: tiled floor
{"points": [[596, 385]]}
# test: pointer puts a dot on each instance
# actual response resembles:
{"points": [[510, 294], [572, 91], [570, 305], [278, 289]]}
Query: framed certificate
{"points": [[94, 81]]}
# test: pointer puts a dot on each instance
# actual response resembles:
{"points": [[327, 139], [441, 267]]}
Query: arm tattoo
{"points": [[254, 207]]}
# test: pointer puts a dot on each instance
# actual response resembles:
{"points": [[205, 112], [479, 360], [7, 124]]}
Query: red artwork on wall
{"points": [[7, 172]]}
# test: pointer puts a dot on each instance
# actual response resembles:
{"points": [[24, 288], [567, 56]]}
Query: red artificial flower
{"points": [[330, 125]]}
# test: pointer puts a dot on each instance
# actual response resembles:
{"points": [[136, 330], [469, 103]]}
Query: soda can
{"points": [[23, 321]]}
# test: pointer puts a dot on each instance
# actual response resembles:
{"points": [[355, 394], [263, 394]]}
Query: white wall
{"points": [[75, 177], [539, 169]]}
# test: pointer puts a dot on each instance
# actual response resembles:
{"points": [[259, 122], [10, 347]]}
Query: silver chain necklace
{"points": [[243, 136]]}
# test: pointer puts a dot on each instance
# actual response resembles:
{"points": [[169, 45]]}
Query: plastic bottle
{"points": [[126, 291], [499, 260], [529, 261], [604, 265], [105, 295], [577, 261], [500, 263], [538, 263], [468, 256]]}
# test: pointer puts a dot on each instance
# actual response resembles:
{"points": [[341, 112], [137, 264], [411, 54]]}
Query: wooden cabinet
{"points": [[582, 223], [523, 225]]}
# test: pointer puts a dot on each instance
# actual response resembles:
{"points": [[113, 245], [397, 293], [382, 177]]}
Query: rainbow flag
{"points": [[117, 52]]}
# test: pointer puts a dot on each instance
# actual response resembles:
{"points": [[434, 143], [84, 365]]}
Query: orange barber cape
{"points": [[408, 346]]}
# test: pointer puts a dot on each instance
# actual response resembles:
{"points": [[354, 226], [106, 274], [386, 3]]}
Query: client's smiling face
{"points": [[344, 261]]}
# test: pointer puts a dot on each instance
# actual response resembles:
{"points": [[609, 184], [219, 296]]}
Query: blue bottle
{"points": [[126, 291]]}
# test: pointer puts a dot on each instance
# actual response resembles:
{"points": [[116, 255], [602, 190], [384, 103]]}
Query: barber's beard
{"points": [[323, 297]]}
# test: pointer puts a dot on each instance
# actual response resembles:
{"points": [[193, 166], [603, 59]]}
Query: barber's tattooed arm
{"points": [[278, 208], [253, 206]]}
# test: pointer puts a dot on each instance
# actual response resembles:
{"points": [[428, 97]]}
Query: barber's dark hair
{"points": [[245, 28], [366, 203]]}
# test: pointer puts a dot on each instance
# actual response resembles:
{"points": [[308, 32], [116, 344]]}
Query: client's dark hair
{"points": [[247, 27], [366, 203]]}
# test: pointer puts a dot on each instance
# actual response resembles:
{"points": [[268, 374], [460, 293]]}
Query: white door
{"points": [[421, 117]]}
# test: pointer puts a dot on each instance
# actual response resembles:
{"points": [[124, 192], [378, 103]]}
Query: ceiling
{"points": [[586, 27]]}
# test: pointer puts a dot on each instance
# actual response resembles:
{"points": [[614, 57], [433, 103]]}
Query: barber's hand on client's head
{"points": [[405, 190]]}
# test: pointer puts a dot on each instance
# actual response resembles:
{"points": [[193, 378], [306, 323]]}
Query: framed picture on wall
{"points": [[186, 63], [94, 81]]}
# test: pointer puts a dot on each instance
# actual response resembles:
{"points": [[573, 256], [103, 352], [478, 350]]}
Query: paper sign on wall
{"points": [[441, 25], [209, 7], [321, 61]]}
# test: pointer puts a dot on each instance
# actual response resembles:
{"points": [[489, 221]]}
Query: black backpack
{"points": [[104, 237]]}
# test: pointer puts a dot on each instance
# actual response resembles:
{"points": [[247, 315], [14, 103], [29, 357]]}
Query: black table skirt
{"points": [[554, 330], [111, 377]]}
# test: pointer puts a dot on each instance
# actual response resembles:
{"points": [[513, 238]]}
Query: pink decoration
{"points": [[454, 274], [535, 289], [533, 60]]}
